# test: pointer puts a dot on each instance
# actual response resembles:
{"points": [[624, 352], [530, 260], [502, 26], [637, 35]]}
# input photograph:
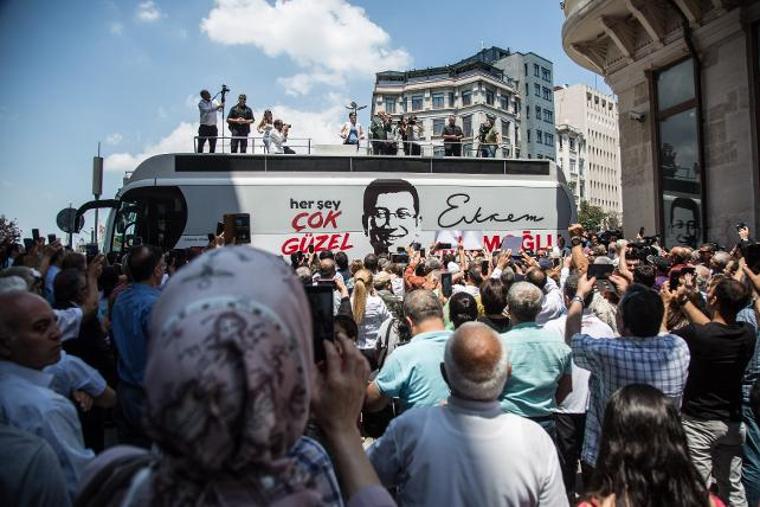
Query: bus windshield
{"points": [[149, 215]]}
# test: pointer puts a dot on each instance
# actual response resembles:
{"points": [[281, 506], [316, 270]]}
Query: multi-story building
{"points": [[571, 159], [536, 76], [687, 78], [595, 115], [470, 90]]}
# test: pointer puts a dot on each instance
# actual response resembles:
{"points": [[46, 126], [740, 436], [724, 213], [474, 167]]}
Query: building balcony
{"points": [[606, 35]]}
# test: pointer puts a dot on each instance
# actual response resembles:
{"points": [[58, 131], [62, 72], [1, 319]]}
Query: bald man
{"points": [[30, 340], [468, 452]]}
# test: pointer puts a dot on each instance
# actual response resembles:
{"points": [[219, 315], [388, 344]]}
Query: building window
{"points": [[505, 128], [467, 125], [438, 124], [539, 136], [528, 139], [451, 99], [417, 102], [572, 144], [438, 101], [390, 105], [546, 75], [560, 141], [679, 154], [466, 97], [538, 113], [504, 102], [536, 70], [548, 116], [549, 139], [405, 104], [490, 97], [527, 112], [525, 65], [537, 89], [547, 94]]}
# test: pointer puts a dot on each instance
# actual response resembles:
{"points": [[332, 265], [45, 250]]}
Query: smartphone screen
{"points": [[400, 259], [51, 238], [322, 319], [484, 267], [35, 235], [444, 246], [513, 243], [422, 252], [219, 228], [28, 242], [446, 284], [752, 257], [211, 237], [600, 271]]}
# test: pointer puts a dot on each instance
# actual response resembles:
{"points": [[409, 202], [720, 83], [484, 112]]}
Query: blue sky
{"points": [[127, 73]]}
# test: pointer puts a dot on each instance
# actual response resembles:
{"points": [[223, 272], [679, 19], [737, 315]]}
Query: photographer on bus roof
{"points": [[279, 135]]}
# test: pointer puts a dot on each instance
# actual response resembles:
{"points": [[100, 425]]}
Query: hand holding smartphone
{"points": [[322, 318]]}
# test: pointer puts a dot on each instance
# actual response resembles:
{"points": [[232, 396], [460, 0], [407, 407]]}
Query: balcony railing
{"points": [[306, 146]]}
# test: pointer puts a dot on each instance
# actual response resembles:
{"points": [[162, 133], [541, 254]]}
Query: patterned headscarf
{"points": [[228, 378]]}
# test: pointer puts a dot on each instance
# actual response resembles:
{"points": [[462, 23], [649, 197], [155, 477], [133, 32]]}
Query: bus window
{"points": [[151, 215]]}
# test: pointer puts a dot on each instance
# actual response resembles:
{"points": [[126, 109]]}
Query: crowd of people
{"points": [[595, 372], [384, 136]]}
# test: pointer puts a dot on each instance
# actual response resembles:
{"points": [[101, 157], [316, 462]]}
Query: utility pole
{"points": [[97, 185]]}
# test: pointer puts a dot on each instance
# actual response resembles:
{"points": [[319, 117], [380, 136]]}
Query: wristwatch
{"points": [[579, 300]]}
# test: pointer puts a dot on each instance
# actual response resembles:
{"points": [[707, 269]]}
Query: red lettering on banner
{"points": [[491, 243], [321, 242], [316, 220]]}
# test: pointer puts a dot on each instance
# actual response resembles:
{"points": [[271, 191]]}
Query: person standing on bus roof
{"points": [[352, 131], [207, 129], [239, 119]]}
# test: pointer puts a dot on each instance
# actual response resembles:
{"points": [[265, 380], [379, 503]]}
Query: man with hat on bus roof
{"points": [[239, 119]]}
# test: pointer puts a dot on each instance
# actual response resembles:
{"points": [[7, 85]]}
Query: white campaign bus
{"points": [[353, 204]]}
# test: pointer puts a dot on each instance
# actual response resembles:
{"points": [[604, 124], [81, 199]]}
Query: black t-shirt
{"points": [[448, 130], [500, 325], [719, 356], [244, 112]]}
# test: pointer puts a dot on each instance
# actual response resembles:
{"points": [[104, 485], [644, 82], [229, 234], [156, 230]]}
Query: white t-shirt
{"points": [[468, 453], [375, 313], [577, 401], [277, 138]]}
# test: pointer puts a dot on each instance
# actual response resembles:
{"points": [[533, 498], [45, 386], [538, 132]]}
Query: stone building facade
{"points": [[687, 77]]}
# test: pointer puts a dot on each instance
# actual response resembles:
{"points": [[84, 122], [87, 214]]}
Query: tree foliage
{"points": [[594, 218], [10, 232]]}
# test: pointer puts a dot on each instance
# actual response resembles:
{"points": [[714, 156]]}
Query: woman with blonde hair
{"points": [[369, 313], [265, 127]]}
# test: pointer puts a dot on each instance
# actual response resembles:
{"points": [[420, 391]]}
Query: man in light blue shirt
{"points": [[541, 366], [412, 372], [29, 341], [129, 321]]}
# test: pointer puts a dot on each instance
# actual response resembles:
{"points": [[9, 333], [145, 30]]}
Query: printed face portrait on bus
{"points": [[684, 222], [391, 214]]}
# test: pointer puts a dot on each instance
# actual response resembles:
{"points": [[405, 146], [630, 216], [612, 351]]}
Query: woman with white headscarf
{"points": [[229, 382]]}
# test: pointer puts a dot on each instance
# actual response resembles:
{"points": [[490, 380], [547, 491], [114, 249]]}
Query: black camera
{"points": [[225, 89]]}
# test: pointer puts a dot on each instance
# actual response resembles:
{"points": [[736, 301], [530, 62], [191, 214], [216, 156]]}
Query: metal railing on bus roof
{"points": [[304, 146]]}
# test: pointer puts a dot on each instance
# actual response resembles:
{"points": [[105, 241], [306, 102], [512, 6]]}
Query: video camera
{"points": [[610, 236]]}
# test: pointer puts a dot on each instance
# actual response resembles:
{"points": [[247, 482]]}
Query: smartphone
{"points": [[237, 228], [600, 271], [52, 239], [444, 246], [422, 252], [322, 318], [211, 237], [219, 228], [484, 266], [446, 284], [400, 258], [311, 248], [92, 250], [400, 249], [28, 242], [752, 257]]}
